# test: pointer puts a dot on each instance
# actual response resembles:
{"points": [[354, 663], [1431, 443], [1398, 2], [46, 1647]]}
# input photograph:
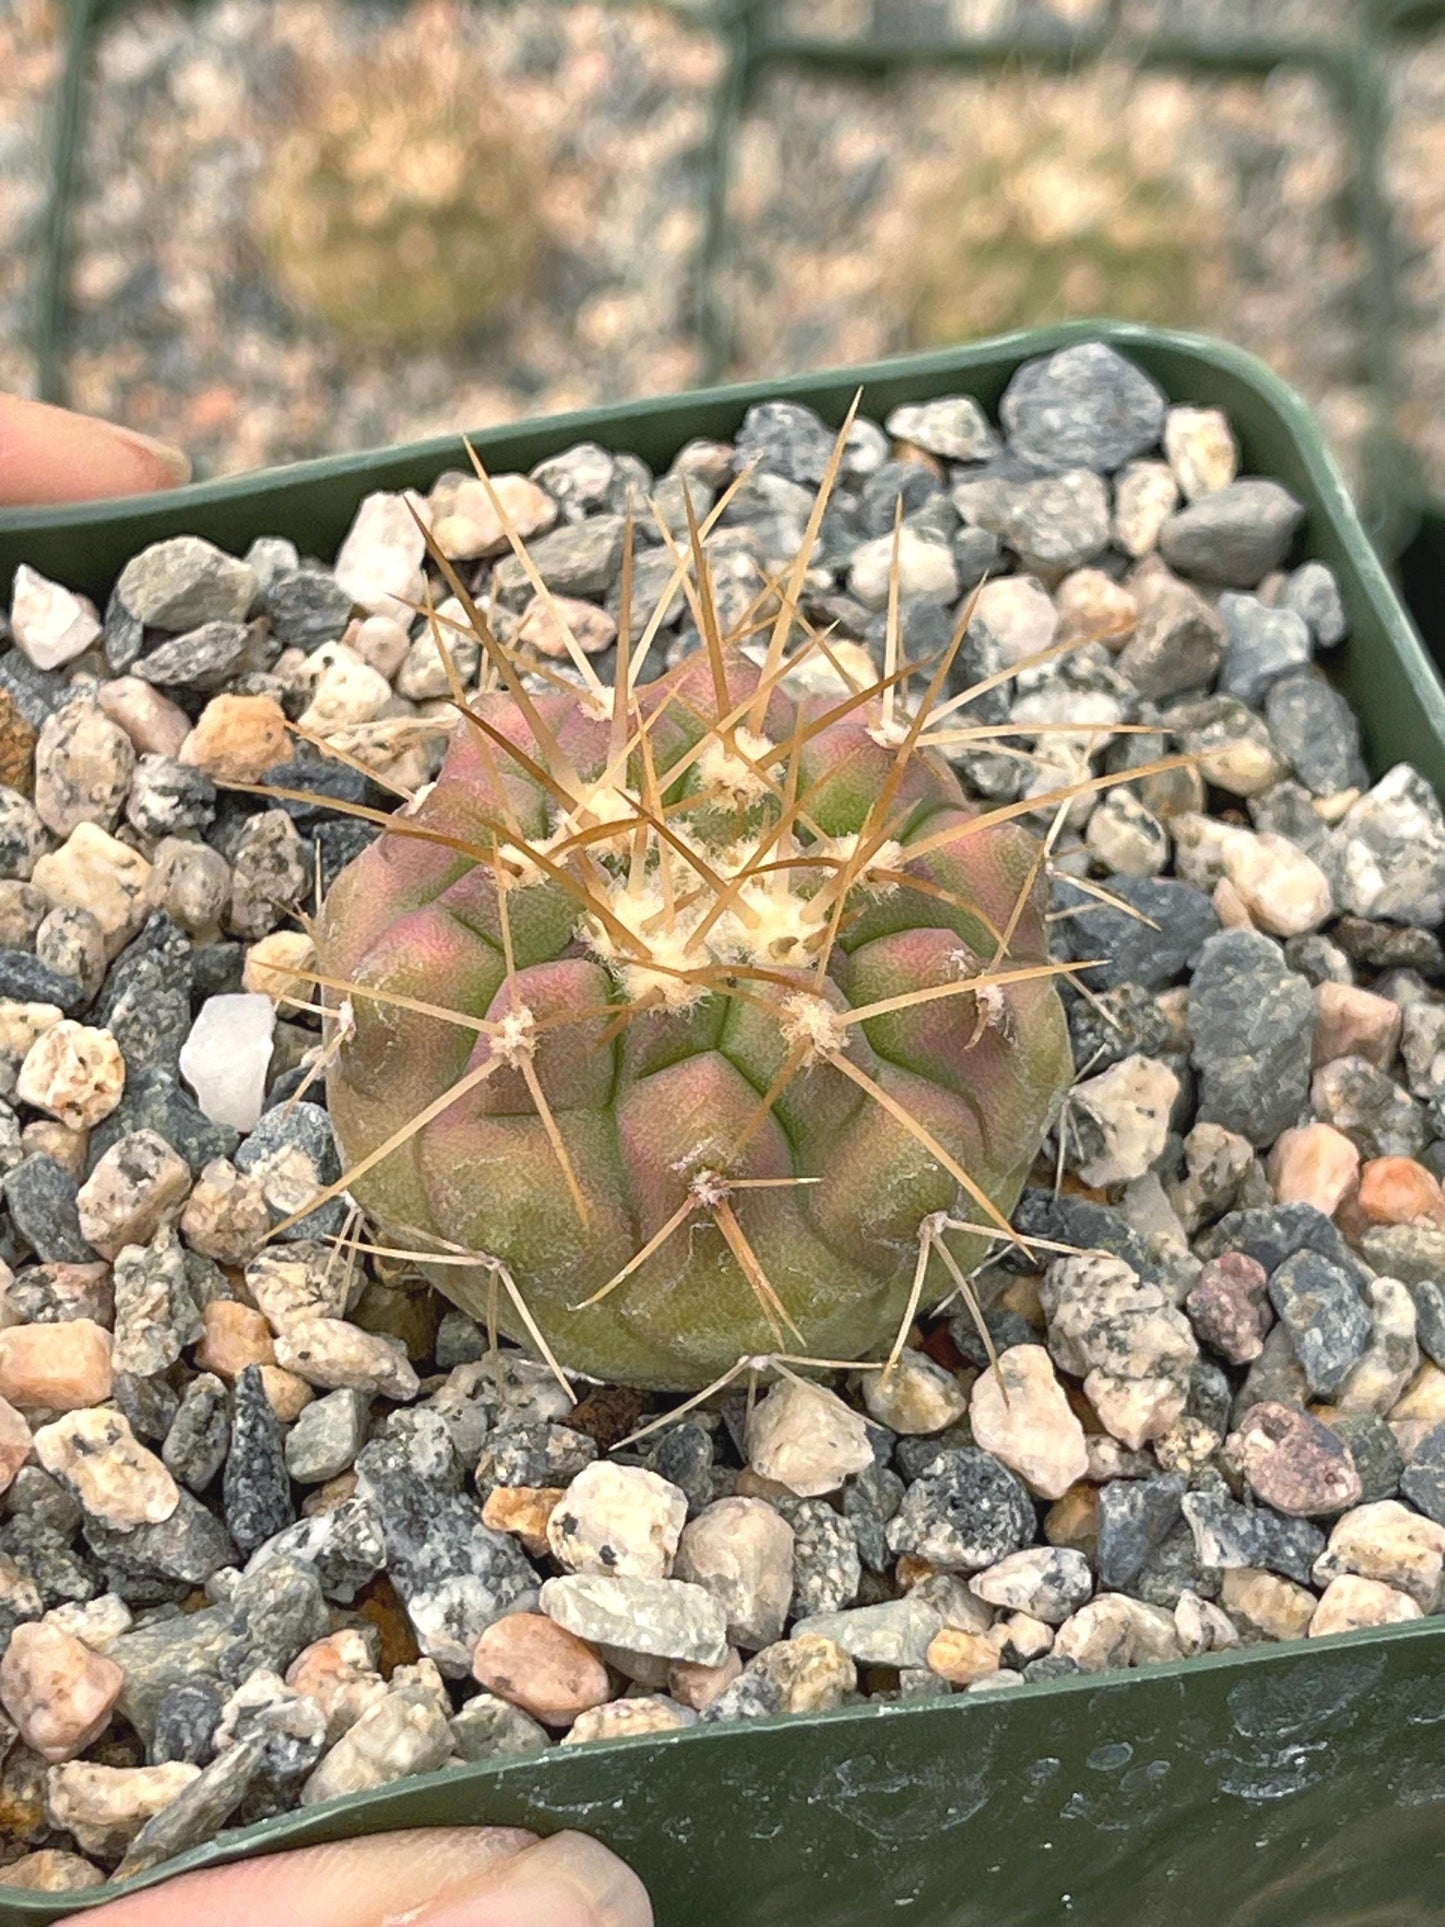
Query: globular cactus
{"points": [[1067, 198], [686, 1022], [401, 205]]}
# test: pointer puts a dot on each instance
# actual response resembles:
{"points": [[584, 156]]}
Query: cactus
{"points": [[687, 1022], [1065, 199], [400, 205]]}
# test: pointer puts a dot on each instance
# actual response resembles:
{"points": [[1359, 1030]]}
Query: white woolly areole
{"points": [[515, 1037], [723, 766], [812, 1022]]}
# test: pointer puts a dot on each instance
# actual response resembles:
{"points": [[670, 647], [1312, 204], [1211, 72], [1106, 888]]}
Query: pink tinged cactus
{"points": [[684, 1023]]}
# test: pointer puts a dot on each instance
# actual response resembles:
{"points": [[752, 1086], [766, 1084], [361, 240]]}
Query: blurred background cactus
{"points": [[401, 206], [1057, 202]]}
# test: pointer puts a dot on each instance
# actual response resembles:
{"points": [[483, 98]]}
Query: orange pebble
{"points": [[1400, 1191]]}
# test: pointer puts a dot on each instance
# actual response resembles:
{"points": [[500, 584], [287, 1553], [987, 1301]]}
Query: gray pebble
{"points": [[343, 1544], [1322, 1311], [1312, 591], [1182, 920], [327, 1436], [827, 1569], [307, 607], [256, 1490], [200, 1435], [150, 1563], [1261, 645], [202, 659], [488, 1728], [293, 1150], [786, 439], [1251, 1020], [185, 1722], [1135, 1516], [182, 582], [1084, 406], [41, 1195], [1233, 535], [965, 1512], [575, 559], [1228, 1535], [454, 1575]]}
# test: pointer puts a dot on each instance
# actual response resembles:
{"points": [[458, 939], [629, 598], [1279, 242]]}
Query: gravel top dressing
{"points": [[280, 1523]]}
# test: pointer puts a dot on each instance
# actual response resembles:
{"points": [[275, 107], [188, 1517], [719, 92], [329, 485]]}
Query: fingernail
{"points": [[171, 466], [567, 1881]]}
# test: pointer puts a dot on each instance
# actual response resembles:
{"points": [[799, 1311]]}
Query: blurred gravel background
{"points": [[847, 216]]}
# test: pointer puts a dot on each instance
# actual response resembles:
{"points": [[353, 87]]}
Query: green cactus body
{"points": [[658, 1047]]}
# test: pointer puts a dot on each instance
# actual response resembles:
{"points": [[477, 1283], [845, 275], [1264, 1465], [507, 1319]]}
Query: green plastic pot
{"points": [[1275, 1787]]}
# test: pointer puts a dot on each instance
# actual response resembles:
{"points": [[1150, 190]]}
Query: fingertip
{"points": [[568, 1880]]}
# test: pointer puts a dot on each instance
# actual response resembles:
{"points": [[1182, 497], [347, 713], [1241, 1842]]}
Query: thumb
{"points": [[434, 1877], [49, 455]]}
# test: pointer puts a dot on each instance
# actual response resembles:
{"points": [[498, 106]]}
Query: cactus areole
{"points": [[684, 1023]]}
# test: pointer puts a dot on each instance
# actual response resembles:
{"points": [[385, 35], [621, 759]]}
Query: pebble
{"points": [[131, 1191], [104, 1807], [199, 1437], [226, 1216], [1120, 1120], [810, 1675], [327, 1436], [1265, 1605], [1046, 1582], [233, 1337], [1314, 1164], [1146, 494], [15, 1443], [55, 1368], [53, 1871], [741, 1551], [404, 1733], [1250, 1022], [1391, 851], [50, 624], [1016, 616], [94, 871], [1132, 1349], [256, 1492], [488, 1728], [1348, 1603], [156, 1315], [378, 565], [618, 1519], [330, 1353], [669, 1618], [293, 1152], [1227, 1534], [827, 1566], [1315, 728], [1233, 535], [1201, 448], [953, 426], [925, 568], [1351, 1022], [183, 581], [1082, 406], [227, 1054], [83, 768], [1178, 640], [115, 1477], [915, 1397], [1320, 1308], [805, 1438], [1228, 1308], [534, 1663], [454, 1575], [964, 1512], [626, 1719], [58, 1691], [1020, 1413], [1390, 1360], [1284, 891], [236, 739], [1294, 1463]]}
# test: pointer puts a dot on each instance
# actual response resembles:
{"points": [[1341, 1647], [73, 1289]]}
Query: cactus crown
{"points": [[400, 205], [689, 1021]]}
